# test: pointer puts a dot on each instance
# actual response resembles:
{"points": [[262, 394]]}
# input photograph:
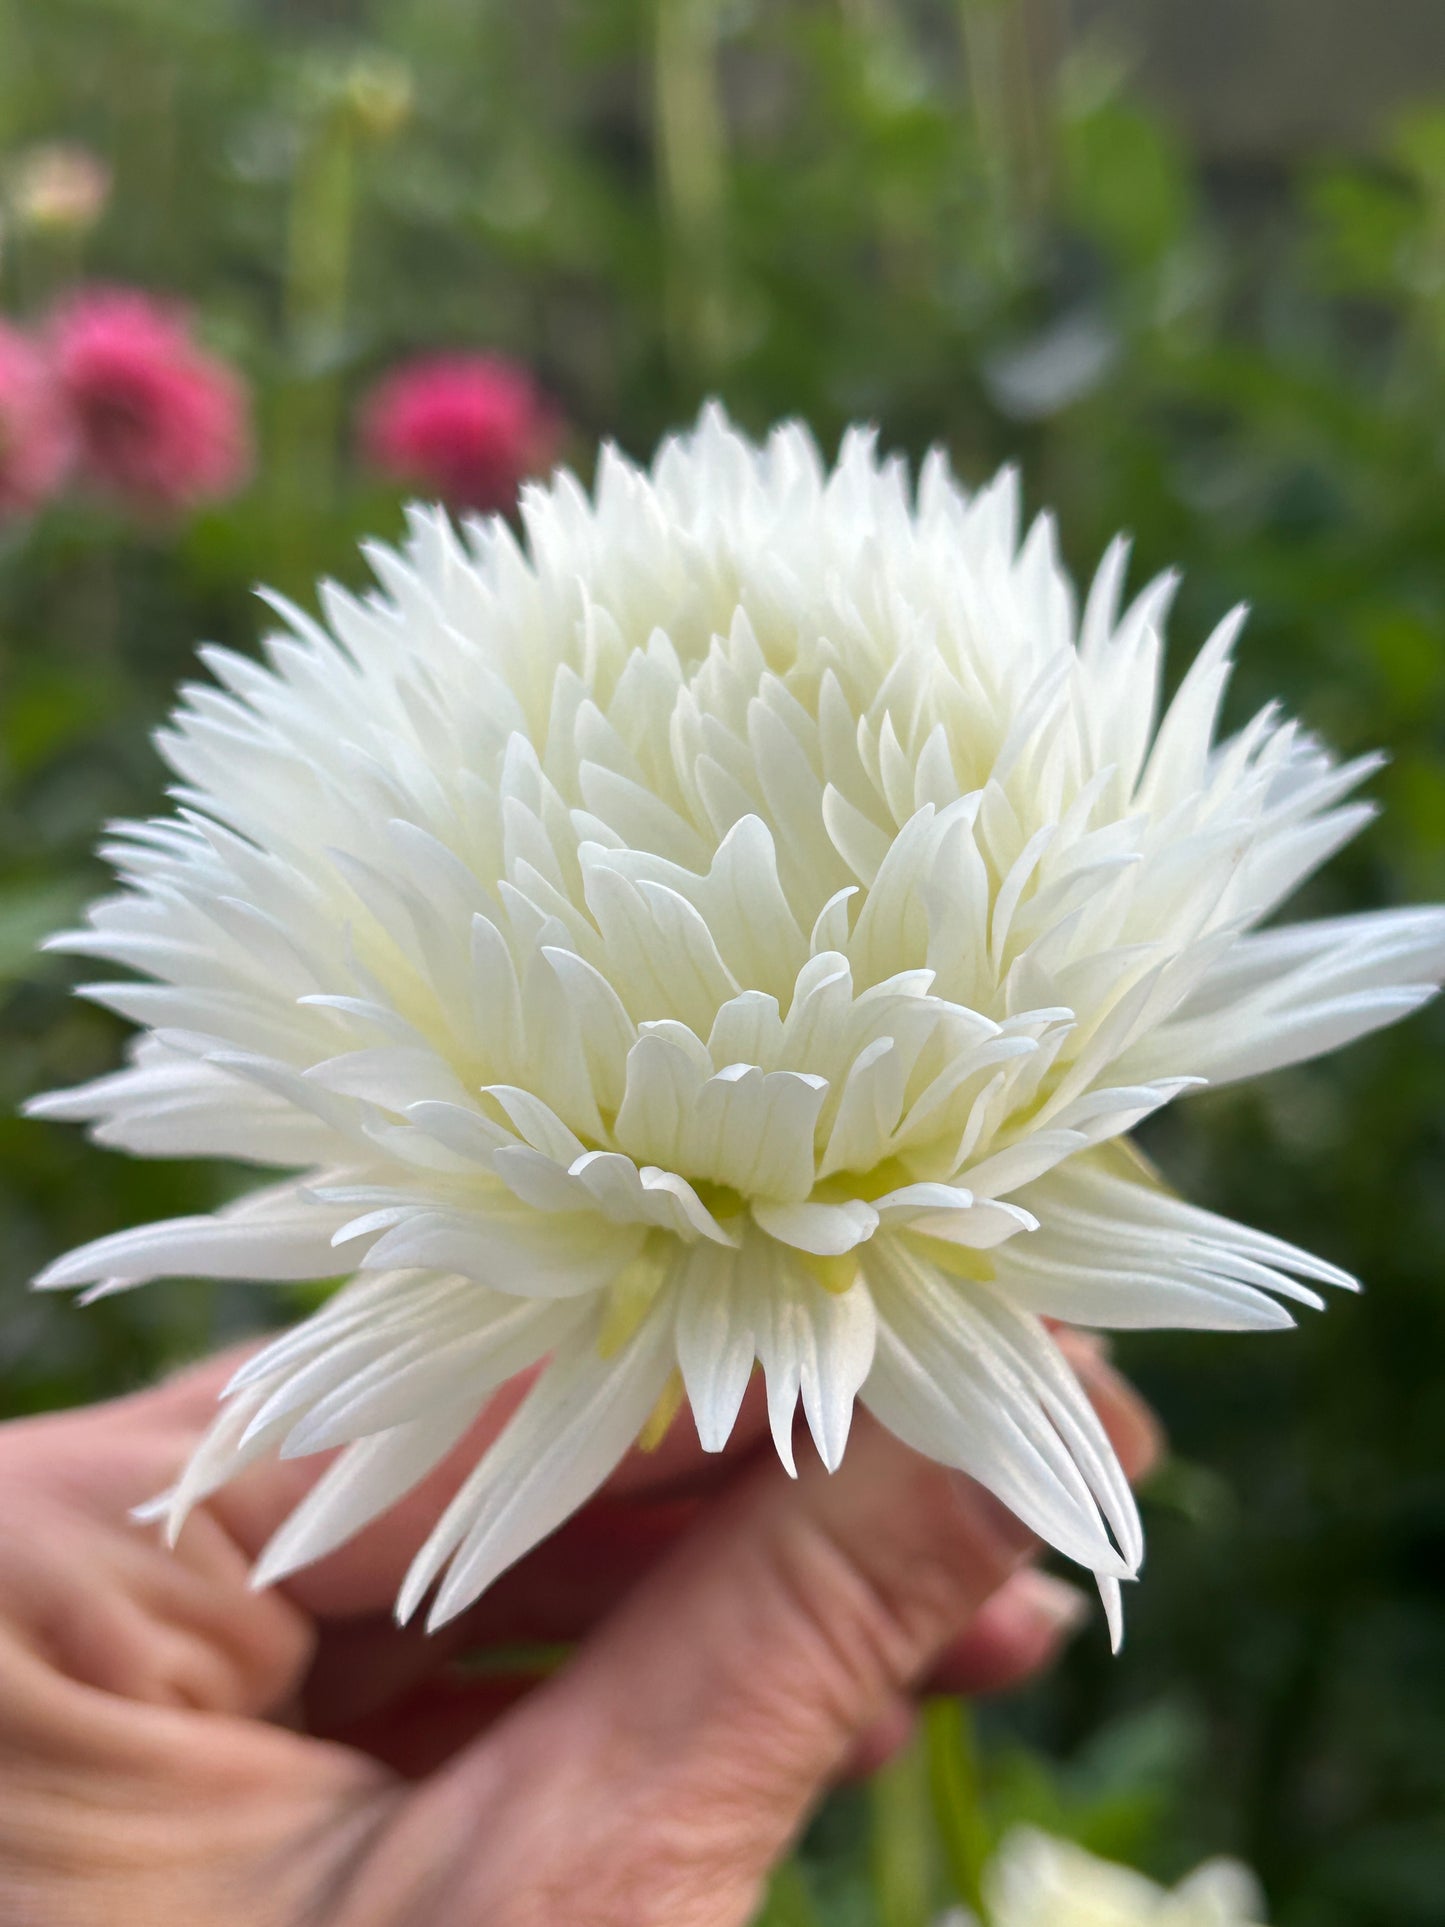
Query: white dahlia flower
{"points": [[1035, 1880], [734, 927]]}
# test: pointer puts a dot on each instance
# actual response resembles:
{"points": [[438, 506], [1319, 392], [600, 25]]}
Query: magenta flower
{"points": [[158, 422], [35, 444], [468, 428]]}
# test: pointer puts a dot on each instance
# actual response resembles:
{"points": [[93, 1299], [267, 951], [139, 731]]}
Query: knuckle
{"points": [[869, 1612]]}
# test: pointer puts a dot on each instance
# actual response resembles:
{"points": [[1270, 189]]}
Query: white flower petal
{"points": [[949, 1212], [564, 1440], [948, 1381], [837, 1349], [230, 1444], [390, 1077], [1120, 1253], [501, 1249], [168, 1103], [828, 1230], [718, 1312], [489, 1341], [1256, 1041], [280, 1232], [368, 1478]]}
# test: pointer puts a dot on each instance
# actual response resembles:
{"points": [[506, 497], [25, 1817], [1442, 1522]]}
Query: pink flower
{"points": [[467, 427], [34, 440], [158, 422]]}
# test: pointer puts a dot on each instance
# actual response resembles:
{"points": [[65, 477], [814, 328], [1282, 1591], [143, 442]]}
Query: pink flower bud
{"points": [[468, 428], [158, 422]]}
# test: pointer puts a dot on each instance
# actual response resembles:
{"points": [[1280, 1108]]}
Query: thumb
{"points": [[661, 1775]]}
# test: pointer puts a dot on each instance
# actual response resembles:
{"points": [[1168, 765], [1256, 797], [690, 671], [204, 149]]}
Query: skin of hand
{"points": [[176, 1748]]}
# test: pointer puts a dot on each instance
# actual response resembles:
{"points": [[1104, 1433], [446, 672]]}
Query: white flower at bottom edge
{"points": [[734, 926], [1035, 1880]]}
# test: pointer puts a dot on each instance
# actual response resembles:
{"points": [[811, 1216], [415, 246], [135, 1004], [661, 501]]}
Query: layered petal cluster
{"points": [[1035, 1880], [733, 926], [467, 428], [159, 424]]}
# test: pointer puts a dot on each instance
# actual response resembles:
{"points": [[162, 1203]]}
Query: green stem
{"points": [[692, 181], [956, 1784], [902, 1847], [318, 273], [1009, 51]]}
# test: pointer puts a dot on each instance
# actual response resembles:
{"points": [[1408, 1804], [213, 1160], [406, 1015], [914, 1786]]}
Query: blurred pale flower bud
{"points": [[379, 92], [60, 187], [1035, 1880]]}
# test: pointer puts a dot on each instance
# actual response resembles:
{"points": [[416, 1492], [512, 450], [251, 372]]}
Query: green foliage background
{"points": [[880, 210]]}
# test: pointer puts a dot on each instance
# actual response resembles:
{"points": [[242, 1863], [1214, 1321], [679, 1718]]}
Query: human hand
{"points": [[177, 1748]]}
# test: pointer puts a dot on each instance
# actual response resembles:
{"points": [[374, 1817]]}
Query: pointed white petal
{"points": [[949, 1383], [837, 1340], [461, 1357], [718, 1310], [1111, 1594], [1117, 1252], [224, 1450], [368, 1478], [280, 1232], [1247, 1042], [566, 1437]]}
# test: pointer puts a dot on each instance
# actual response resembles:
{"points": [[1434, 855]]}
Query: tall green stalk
{"points": [[955, 1784], [902, 1845], [1010, 48], [318, 272], [692, 183]]}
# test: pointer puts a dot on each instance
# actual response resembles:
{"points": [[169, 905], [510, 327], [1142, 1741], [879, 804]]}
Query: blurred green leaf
{"points": [[30, 912], [1126, 181], [788, 1902]]}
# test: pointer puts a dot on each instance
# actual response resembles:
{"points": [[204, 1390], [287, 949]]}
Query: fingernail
{"points": [[1083, 1343], [1137, 1435], [1054, 1603]]}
